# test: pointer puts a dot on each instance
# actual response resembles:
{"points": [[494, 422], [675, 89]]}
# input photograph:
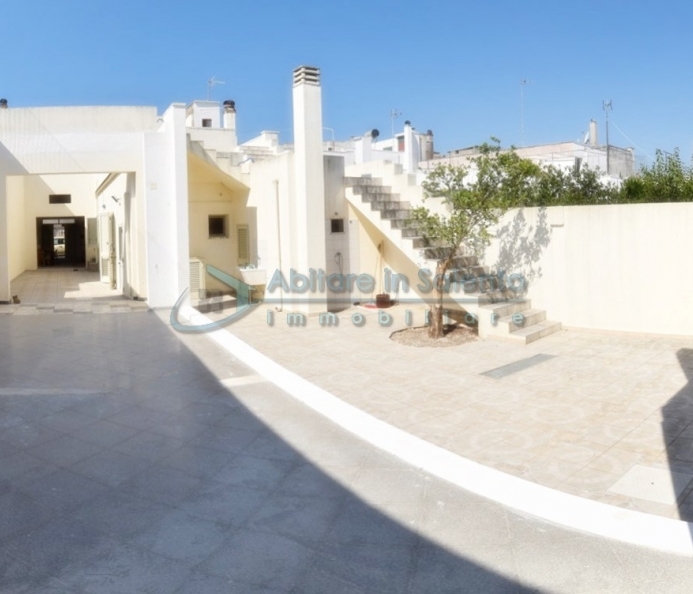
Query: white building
{"points": [[140, 196], [157, 204], [612, 162]]}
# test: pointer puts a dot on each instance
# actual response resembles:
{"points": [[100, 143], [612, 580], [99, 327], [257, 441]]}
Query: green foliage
{"points": [[667, 180], [560, 187], [495, 181], [500, 180], [506, 180]]}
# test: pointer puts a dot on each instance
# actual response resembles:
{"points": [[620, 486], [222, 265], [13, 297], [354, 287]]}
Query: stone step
{"points": [[530, 317], [398, 223], [360, 182], [399, 214], [468, 272], [390, 204], [488, 297], [465, 261], [411, 232], [368, 190], [534, 332], [433, 252], [376, 197], [506, 308], [481, 284]]}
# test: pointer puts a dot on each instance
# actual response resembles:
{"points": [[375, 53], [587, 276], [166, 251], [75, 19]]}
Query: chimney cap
{"points": [[230, 104], [307, 75], [3, 103]]}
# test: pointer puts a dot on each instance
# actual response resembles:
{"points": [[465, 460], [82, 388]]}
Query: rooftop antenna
{"points": [[523, 83], [211, 83], [607, 107], [394, 114]]}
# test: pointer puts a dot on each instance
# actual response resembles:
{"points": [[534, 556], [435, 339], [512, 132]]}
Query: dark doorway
{"points": [[61, 241]]}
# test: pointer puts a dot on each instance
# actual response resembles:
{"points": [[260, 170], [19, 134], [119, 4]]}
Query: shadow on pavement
{"points": [[677, 416], [127, 467]]}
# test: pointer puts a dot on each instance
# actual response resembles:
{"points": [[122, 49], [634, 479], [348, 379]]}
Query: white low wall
{"points": [[612, 267]]}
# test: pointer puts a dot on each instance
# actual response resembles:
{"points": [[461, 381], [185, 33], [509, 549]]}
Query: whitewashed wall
{"points": [[611, 267]]}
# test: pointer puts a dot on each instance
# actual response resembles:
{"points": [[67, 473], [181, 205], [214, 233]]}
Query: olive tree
{"points": [[475, 197]]}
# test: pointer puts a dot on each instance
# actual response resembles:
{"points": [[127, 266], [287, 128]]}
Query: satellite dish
{"points": [[375, 133], [586, 138]]}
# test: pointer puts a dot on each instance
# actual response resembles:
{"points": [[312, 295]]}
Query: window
{"points": [[217, 226], [207, 123], [59, 199], [243, 245], [337, 225], [92, 236]]}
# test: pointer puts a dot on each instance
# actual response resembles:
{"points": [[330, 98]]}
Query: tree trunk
{"points": [[435, 328]]}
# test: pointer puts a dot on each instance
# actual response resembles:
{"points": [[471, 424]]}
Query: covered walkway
{"points": [[63, 289]]}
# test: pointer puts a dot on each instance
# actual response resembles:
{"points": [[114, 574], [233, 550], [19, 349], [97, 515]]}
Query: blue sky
{"points": [[450, 66]]}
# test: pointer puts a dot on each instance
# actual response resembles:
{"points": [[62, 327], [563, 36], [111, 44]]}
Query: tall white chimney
{"points": [[593, 134], [230, 115], [309, 179]]}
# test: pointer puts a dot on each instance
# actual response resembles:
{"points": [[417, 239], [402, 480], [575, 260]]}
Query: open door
{"points": [[107, 249]]}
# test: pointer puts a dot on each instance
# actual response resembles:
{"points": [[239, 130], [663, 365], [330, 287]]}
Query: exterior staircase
{"points": [[474, 290]]}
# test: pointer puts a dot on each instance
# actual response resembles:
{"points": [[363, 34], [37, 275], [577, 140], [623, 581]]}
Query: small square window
{"points": [[59, 198], [207, 123], [337, 225], [217, 226]]}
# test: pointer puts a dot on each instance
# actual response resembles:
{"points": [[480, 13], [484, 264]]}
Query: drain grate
{"points": [[522, 364]]}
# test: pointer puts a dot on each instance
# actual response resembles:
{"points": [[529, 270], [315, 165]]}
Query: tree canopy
{"points": [[496, 180], [668, 179]]}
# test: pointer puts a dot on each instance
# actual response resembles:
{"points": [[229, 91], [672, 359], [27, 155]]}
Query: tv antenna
{"points": [[394, 114], [211, 83], [607, 108], [523, 83]]}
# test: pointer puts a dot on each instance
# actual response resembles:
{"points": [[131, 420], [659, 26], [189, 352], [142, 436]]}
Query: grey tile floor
{"points": [[62, 290], [126, 466]]}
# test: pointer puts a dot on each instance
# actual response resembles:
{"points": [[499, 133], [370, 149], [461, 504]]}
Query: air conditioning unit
{"points": [[197, 279]]}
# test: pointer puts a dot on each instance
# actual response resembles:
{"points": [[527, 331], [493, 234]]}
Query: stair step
{"points": [[369, 190], [507, 308], [360, 182], [534, 332], [530, 317], [489, 297], [465, 261], [390, 204], [436, 252], [399, 214], [376, 197], [401, 223]]}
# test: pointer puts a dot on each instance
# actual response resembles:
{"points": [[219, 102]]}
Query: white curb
{"points": [[600, 519]]}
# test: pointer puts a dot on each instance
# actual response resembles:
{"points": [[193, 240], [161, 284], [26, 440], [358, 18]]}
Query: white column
{"points": [[166, 206]]}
